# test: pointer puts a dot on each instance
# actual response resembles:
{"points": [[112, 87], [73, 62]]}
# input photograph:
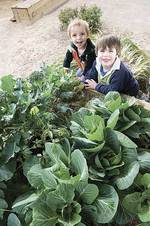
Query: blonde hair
{"points": [[108, 41], [78, 22]]}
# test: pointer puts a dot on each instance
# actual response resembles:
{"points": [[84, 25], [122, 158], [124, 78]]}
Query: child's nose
{"points": [[106, 53]]}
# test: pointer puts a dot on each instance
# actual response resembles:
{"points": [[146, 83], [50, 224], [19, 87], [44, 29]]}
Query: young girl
{"points": [[108, 73], [81, 48]]}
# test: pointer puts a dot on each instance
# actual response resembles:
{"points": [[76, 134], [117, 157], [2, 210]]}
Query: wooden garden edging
{"points": [[93, 93], [143, 103]]}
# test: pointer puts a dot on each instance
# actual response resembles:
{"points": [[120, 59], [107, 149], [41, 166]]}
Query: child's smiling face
{"points": [[78, 36], [107, 57]]}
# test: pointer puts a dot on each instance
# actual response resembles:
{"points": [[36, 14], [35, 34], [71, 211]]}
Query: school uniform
{"points": [[118, 78], [84, 61]]}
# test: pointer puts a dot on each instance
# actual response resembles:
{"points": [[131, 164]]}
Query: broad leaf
{"points": [[7, 170], [97, 103], [130, 113], [28, 163], [112, 100], [5, 173], [7, 84], [144, 213], [76, 128], [94, 149], [144, 160], [55, 152], [98, 135], [24, 200], [96, 175], [125, 141], [131, 202], [80, 224], [49, 179], [126, 125], [129, 155], [88, 193], [126, 179], [79, 164], [67, 148], [91, 122], [13, 220], [66, 191], [112, 121], [106, 204], [145, 180], [123, 216], [43, 217], [84, 143], [146, 224], [3, 206], [112, 140], [10, 150], [70, 214], [34, 176], [2, 195]]}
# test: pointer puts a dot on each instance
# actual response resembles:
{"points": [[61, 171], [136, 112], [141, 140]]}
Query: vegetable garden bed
{"points": [[76, 160]]}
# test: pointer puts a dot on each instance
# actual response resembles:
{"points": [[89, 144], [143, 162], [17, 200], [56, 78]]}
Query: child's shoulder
{"points": [[125, 67], [71, 47], [90, 43]]}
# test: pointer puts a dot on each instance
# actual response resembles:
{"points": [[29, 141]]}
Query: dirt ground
{"points": [[24, 48]]}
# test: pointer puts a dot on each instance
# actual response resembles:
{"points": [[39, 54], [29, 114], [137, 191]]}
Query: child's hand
{"points": [[67, 70], [90, 84], [81, 78]]}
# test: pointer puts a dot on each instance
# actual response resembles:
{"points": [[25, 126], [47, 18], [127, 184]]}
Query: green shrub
{"points": [[90, 14], [93, 16], [66, 16]]}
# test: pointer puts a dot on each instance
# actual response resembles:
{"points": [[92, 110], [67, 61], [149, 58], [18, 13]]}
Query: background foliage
{"points": [[90, 14]]}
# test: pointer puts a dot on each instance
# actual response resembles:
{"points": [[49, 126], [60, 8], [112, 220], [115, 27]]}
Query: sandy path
{"points": [[23, 49]]}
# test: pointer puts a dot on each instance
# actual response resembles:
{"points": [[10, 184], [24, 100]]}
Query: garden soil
{"points": [[25, 48]]}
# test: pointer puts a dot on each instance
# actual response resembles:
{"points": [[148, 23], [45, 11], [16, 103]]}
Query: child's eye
{"points": [[82, 33], [74, 35], [101, 50]]}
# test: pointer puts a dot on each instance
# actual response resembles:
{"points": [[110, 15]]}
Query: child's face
{"points": [[107, 57], [78, 36]]}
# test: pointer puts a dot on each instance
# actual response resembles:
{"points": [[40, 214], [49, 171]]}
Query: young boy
{"points": [[108, 73], [81, 48]]}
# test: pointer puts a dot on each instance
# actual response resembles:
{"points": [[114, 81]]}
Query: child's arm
{"points": [[67, 70], [90, 59], [90, 56], [92, 73], [67, 61], [117, 83], [90, 83]]}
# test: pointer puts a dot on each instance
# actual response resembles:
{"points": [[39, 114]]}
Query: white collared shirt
{"points": [[115, 66]]}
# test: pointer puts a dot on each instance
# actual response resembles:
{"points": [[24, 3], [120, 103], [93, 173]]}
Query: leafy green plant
{"points": [[139, 202], [29, 116], [107, 132], [107, 164], [66, 163], [91, 14], [66, 15], [64, 194]]}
